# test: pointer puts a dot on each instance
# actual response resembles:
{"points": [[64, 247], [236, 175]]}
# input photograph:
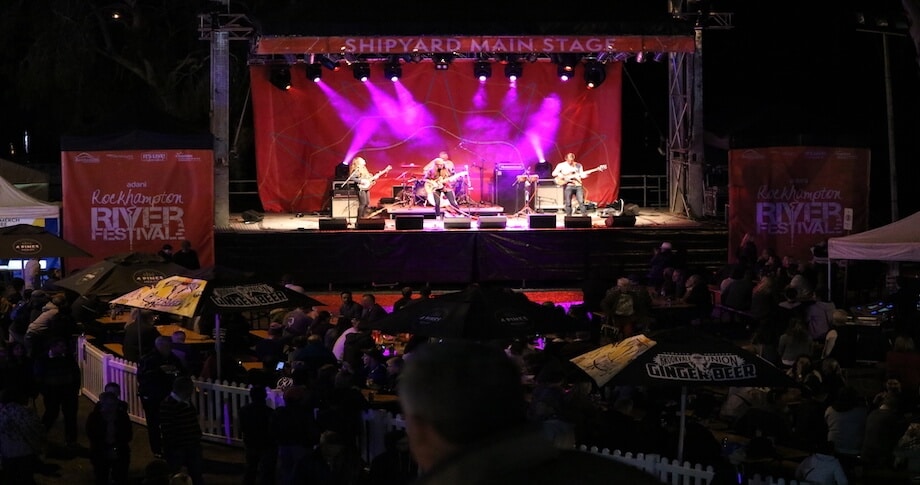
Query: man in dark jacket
{"points": [[155, 375], [256, 420]]}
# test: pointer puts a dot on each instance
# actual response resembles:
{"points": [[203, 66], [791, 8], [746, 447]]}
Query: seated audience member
{"points": [[464, 406], [821, 467], [739, 290], [697, 295], [271, 350], [794, 342], [884, 426], [140, 334]]}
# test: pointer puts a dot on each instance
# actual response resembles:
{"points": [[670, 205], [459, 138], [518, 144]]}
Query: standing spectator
{"points": [[181, 431], [395, 465], [58, 377], [140, 334], [747, 252], [662, 259], [32, 274], [109, 430], [156, 374], [404, 300], [22, 437], [294, 429], [186, 256], [821, 467], [256, 421], [166, 252]]}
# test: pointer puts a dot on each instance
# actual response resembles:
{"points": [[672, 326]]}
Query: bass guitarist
{"points": [[363, 182], [569, 175], [439, 180]]}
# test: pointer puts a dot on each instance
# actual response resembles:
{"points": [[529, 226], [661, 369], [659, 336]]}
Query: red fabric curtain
{"points": [[303, 133]]}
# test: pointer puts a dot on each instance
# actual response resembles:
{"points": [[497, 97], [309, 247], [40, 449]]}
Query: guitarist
{"points": [[438, 182], [363, 182], [569, 174]]}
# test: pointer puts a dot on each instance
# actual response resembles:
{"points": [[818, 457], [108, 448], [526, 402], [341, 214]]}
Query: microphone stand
{"points": [[348, 198], [481, 167]]}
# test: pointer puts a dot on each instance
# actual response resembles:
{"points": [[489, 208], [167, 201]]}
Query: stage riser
{"points": [[320, 259]]}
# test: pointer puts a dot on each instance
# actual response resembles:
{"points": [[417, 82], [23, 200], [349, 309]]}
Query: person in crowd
{"points": [[371, 311], [464, 405], [395, 465], [350, 309], [297, 321], [822, 467], [166, 252], [140, 334], [311, 354], [186, 256], [746, 254], [662, 258], [739, 292], [804, 373], [846, 425], [438, 183], [884, 427], [404, 300], [338, 349], [156, 373], [256, 421], [697, 295], [373, 369], [271, 349], [569, 173], [58, 377], [794, 342], [22, 438], [295, 432], [48, 325], [50, 283], [336, 460], [181, 431], [321, 324], [110, 431], [626, 308], [32, 274], [764, 298]]}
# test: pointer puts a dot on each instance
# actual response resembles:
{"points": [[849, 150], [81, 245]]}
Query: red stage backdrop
{"points": [[303, 133], [118, 201], [792, 198]]}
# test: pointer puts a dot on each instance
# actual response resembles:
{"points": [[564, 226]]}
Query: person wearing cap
{"points": [[166, 252], [663, 258]]}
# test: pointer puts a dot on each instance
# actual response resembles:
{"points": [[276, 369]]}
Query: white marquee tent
{"points": [[898, 241]]}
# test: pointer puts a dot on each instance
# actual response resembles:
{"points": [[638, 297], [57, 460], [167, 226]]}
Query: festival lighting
{"points": [[594, 74], [314, 72], [442, 61], [514, 70], [482, 70], [280, 77], [361, 70], [392, 70], [329, 62]]}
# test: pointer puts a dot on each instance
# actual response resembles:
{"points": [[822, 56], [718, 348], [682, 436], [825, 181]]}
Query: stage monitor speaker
{"points": [[345, 207], [457, 223], [508, 192], [252, 216], [549, 196], [410, 222], [542, 221], [578, 222], [620, 221], [333, 224], [370, 224], [492, 222]]}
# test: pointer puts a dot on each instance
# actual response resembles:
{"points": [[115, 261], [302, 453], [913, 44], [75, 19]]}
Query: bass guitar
{"points": [[577, 177], [365, 184], [444, 183]]}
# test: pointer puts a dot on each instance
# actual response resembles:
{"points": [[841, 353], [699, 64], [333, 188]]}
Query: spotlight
{"points": [[640, 57], [594, 74], [565, 66], [514, 70], [281, 77], [442, 61], [621, 56], [392, 70], [658, 56], [482, 70], [361, 71], [314, 72], [329, 63]]}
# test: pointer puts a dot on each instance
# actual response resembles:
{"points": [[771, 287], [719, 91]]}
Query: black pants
{"points": [[450, 198], [152, 414], [110, 465], [61, 401], [260, 466]]}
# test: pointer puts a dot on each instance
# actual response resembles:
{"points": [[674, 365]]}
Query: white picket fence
{"points": [[218, 404]]}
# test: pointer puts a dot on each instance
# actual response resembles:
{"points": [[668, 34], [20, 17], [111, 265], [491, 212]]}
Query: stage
{"points": [[415, 248]]}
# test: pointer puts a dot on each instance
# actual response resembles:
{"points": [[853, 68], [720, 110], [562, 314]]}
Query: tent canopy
{"points": [[17, 207], [898, 241]]}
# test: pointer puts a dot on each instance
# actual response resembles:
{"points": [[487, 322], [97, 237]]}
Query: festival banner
{"points": [[793, 198], [118, 201]]}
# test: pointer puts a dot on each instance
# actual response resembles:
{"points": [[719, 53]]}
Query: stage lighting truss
{"points": [[330, 62], [392, 70], [361, 70], [280, 77], [442, 61], [514, 70], [594, 74], [482, 70], [314, 72]]}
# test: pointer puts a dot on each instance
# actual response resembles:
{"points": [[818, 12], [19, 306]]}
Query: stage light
{"points": [[594, 74], [392, 70], [329, 63], [361, 71], [442, 61], [281, 77], [482, 70], [350, 58], [314, 72], [565, 72], [514, 70], [621, 56], [659, 56], [640, 57]]}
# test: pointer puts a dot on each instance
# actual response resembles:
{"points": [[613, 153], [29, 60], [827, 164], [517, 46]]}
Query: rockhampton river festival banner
{"points": [[135, 200], [793, 198]]}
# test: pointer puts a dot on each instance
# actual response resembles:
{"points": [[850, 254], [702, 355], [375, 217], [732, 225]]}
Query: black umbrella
{"points": [[680, 357], [119, 274], [230, 290], [477, 313], [24, 241]]}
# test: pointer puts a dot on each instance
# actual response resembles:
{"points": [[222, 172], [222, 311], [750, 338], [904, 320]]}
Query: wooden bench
{"points": [[116, 349]]}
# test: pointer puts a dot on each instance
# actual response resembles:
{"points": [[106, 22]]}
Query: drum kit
{"points": [[414, 193]]}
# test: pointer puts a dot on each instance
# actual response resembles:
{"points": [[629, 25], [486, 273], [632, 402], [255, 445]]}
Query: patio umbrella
{"points": [[477, 313], [23, 241], [684, 357], [119, 274]]}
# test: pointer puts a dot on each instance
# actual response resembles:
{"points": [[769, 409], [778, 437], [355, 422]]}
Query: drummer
{"points": [[444, 158]]}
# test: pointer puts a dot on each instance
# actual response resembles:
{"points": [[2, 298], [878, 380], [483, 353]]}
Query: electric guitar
{"points": [[577, 177], [444, 183], [365, 184]]}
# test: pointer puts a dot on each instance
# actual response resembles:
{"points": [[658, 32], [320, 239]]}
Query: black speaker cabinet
{"points": [[578, 222], [620, 221], [542, 221], [508, 192], [410, 222], [333, 224], [492, 222], [457, 223], [370, 224], [252, 216]]}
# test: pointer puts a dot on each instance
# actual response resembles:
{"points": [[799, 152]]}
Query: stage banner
{"points": [[305, 133], [792, 198], [118, 201]]}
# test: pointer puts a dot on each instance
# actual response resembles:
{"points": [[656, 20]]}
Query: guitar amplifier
{"points": [[549, 196], [344, 189], [345, 207], [508, 192]]}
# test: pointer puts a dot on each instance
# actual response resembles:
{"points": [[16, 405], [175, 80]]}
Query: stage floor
{"points": [[281, 222]]}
